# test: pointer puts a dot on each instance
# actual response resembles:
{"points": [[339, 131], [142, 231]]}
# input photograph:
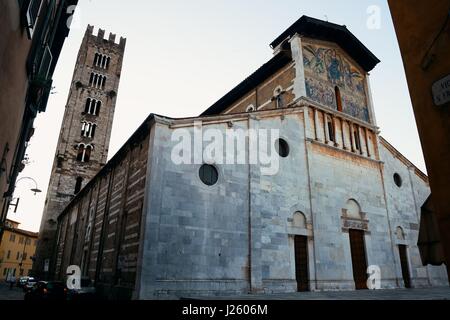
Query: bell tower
{"points": [[83, 143]]}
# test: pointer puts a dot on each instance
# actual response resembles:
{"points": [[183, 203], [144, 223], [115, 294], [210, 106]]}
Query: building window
{"points": [[12, 238], [92, 107], [282, 148], [8, 256], [88, 129], [21, 239], [84, 153], [28, 242], [101, 61], [279, 97], [78, 185], [4, 271], [250, 108], [18, 256], [331, 131], [398, 180], [32, 14], [24, 256], [97, 81], [338, 98], [208, 174]]}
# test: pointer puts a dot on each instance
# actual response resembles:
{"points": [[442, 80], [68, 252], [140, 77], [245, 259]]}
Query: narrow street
{"points": [[7, 294]]}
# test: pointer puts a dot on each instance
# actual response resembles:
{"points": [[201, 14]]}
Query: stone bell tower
{"points": [[83, 143]]}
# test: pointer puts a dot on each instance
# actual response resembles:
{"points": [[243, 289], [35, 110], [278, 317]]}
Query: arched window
{"points": [[353, 210], [108, 61], [92, 106], [80, 153], [250, 108], [299, 220], [338, 98], [84, 152], [91, 80], [400, 233], [278, 96], [97, 108], [103, 62], [95, 80], [88, 129], [87, 106], [97, 56], [103, 82], [78, 185]]}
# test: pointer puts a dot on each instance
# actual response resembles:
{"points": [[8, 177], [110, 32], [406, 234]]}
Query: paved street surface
{"points": [[397, 294], [6, 294]]}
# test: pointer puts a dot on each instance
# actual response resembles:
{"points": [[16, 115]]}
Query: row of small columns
{"points": [[341, 125]]}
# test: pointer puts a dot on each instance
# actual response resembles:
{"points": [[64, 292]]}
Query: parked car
{"points": [[47, 290], [86, 292], [22, 281], [31, 282]]}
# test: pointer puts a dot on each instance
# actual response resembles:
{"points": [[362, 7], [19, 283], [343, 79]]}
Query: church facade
{"points": [[159, 221]]}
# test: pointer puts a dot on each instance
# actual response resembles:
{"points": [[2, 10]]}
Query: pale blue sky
{"points": [[182, 56]]}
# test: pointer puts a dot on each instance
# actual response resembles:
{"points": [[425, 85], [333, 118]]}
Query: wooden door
{"points": [[405, 267], [359, 261], [301, 263]]}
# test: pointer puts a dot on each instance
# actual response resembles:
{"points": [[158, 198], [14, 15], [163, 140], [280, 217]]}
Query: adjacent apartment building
{"points": [[31, 38], [16, 250], [423, 32]]}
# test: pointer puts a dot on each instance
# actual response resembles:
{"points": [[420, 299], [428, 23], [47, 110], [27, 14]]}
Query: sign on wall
{"points": [[441, 91]]}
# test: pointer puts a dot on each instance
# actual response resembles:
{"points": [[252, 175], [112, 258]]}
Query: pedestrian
{"points": [[12, 280]]}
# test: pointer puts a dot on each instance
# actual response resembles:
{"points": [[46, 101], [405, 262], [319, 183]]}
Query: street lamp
{"points": [[35, 190]]}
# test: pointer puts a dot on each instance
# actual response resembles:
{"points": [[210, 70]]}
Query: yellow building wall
{"points": [[16, 250]]}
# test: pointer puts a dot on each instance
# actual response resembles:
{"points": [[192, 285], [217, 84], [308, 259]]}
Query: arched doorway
{"points": [[403, 253], [354, 221], [299, 224]]}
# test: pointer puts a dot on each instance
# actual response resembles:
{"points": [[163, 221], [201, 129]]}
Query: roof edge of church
{"points": [[403, 159]]}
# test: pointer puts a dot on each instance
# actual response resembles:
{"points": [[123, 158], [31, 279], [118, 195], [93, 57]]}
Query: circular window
{"points": [[282, 148], [398, 180], [208, 174]]}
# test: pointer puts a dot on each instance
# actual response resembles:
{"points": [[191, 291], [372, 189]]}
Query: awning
{"points": [[429, 243]]}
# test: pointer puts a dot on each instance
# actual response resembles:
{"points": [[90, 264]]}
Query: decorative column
{"points": [[335, 130], [325, 128], [344, 141], [369, 154], [352, 137], [316, 124]]}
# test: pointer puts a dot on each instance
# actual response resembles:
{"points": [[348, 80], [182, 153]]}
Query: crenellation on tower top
{"points": [[101, 34], [112, 37], [100, 37], [123, 42], [90, 30]]}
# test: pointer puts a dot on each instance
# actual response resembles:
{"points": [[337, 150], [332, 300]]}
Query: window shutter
{"points": [[32, 14], [44, 68]]}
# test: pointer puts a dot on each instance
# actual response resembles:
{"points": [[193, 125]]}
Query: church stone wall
{"points": [[404, 205]]}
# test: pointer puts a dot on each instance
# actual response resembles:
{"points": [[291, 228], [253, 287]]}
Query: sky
{"points": [[182, 56]]}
